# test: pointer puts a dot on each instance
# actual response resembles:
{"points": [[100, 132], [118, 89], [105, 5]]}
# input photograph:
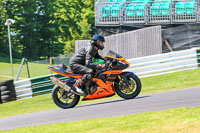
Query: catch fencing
{"points": [[143, 67], [133, 44]]}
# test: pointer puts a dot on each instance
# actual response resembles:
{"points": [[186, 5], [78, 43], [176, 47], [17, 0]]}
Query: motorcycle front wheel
{"points": [[132, 90], [64, 99]]}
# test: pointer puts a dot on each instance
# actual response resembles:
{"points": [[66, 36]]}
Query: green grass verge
{"points": [[173, 81], [182, 120], [161, 83], [35, 70]]}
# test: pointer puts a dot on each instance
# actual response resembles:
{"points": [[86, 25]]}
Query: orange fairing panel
{"points": [[113, 72], [100, 93], [104, 91]]}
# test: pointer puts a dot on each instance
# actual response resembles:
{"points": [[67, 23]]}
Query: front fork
{"points": [[124, 79]]}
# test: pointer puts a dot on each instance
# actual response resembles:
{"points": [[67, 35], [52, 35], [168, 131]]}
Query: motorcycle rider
{"points": [[82, 62]]}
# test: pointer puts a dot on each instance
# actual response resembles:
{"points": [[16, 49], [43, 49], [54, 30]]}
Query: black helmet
{"points": [[97, 39]]}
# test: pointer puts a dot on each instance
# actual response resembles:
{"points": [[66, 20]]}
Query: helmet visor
{"points": [[100, 44]]}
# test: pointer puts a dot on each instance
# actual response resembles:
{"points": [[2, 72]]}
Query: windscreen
{"points": [[113, 54]]}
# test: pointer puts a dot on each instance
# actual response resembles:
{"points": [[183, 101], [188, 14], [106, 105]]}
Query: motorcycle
{"points": [[105, 82]]}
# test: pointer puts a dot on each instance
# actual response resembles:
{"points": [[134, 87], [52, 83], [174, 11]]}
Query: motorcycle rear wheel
{"points": [[128, 92], [64, 99]]}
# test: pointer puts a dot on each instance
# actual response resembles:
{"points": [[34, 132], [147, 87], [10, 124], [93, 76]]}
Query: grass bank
{"points": [[35, 69], [161, 83], [182, 120]]}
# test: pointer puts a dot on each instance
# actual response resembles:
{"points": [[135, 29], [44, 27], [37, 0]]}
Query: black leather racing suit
{"points": [[82, 62]]}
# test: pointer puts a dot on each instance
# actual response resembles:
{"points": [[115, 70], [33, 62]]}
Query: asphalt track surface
{"points": [[146, 103]]}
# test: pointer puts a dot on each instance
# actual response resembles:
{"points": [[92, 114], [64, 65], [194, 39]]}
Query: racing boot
{"points": [[77, 87]]}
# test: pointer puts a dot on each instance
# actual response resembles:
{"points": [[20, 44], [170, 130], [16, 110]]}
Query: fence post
{"points": [[50, 61], [26, 61]]}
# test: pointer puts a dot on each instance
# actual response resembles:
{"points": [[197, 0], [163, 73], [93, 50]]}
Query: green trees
{"points": [[45, 28], [3, 32], [76, 19]]}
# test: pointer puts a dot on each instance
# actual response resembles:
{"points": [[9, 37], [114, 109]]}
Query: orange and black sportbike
{"points": [[105, 82]]}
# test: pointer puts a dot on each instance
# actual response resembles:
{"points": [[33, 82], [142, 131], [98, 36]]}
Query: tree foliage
{"points": [[3, 32], [45, 28]]}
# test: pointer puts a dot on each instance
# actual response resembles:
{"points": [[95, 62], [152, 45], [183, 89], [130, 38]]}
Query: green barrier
{"points": [[42, 89], [43, 85], [44, 78], [198, 57]]}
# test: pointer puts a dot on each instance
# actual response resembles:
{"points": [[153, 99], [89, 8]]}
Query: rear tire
{"points": [[132, 91], [58, 100], [7, 91]]}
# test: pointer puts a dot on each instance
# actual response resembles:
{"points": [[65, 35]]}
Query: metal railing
{"points": [[165, 63], [35, 86], [147, 12]]}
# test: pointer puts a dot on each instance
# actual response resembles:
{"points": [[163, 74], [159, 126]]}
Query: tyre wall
{"points": [[7, 91]]}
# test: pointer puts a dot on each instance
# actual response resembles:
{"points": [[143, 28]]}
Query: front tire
{"points": [[132, 91], [64, 99]]}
